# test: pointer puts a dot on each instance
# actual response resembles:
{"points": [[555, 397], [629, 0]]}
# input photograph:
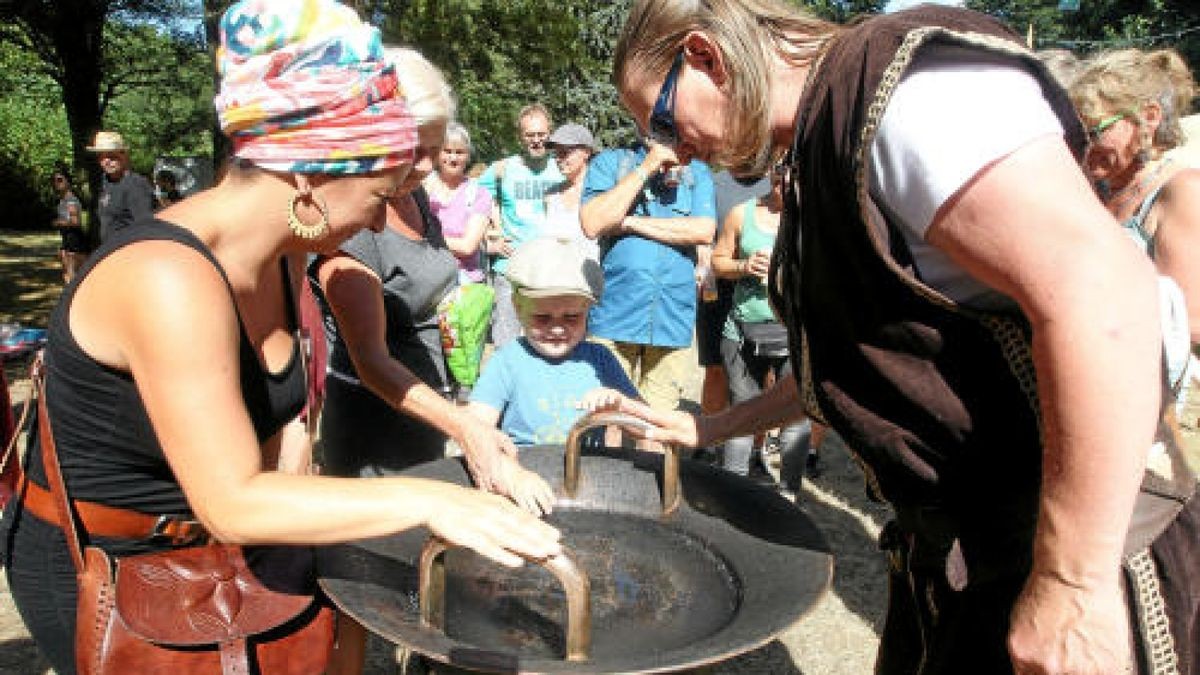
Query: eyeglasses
{"points": [[662, 119], [1106, 123]]}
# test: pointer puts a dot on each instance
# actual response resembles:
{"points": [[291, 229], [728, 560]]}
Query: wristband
{"points": [[641, 173]]}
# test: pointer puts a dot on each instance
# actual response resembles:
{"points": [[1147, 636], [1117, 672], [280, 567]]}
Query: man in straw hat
{"points": [[125, 197]]}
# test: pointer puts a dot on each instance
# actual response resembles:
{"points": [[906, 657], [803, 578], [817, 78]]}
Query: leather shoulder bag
{"points": [[214, 608]]}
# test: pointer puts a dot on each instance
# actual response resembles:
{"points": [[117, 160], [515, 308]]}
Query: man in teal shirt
{"points": [[518, 185]]}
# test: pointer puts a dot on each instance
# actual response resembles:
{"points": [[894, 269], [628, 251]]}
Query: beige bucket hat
{"points": [[108, 141], [549, 266]]}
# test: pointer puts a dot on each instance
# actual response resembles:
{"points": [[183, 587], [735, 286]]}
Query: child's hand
{"points": [[601, 399]]}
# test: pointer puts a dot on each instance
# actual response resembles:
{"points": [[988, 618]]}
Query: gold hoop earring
{"points": [[298, 227]]}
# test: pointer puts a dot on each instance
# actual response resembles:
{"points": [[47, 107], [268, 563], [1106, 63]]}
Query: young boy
{"points": [[537, 386]]}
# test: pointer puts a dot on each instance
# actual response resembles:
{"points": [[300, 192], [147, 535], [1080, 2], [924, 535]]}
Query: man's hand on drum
{"points": [[602, 399], [673, 427], [527, 489]]}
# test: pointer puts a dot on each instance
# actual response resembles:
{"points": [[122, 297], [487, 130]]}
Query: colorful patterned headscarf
{"points": [[305, 89]]}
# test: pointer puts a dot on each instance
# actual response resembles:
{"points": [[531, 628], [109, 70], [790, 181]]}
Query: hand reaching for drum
{"points": [[483, 446], [491, 460], [488, 524], [670, 427], [527, 489]]}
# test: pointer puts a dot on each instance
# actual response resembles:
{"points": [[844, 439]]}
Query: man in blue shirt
{"points": [[649, 213]]}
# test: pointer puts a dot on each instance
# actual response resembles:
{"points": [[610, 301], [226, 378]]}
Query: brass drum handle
{"points": [[432, 594], [671, 494]]}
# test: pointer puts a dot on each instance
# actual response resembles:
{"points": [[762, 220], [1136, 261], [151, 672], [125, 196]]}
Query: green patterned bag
{"points": [[463, 317]]}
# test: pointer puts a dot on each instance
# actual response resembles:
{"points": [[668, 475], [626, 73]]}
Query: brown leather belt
{"points": [[112, 522]]}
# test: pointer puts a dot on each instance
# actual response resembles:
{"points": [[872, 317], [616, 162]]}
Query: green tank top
{"points": [[750, 304]]}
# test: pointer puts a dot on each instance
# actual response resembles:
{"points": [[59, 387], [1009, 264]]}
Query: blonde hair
{"points": [[1127, 79], [1063, 65], [429, 97], [749, 33]]}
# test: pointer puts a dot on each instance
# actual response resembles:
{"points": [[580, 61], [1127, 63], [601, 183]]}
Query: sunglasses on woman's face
{"points": [[662, 119], [1106, 123]]}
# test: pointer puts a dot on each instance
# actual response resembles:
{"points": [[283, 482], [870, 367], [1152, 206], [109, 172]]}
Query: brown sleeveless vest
{"points": [[938, 402]]}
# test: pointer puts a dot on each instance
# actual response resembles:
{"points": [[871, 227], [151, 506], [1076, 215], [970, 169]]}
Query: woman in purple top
{"points": [[459, 203]]}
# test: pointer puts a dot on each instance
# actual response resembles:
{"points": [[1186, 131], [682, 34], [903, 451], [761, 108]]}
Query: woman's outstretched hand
{"points": [[489, 524], [492, 461], [527, 489]]}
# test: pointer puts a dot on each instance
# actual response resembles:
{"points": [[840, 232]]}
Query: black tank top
{"points": [[106, 444]]}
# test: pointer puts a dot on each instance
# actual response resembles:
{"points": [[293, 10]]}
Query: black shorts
{"points": [[74, 240], [710, 321]]}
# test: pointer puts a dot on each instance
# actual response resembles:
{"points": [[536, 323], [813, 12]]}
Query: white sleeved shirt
{"points": [[953, 114]]}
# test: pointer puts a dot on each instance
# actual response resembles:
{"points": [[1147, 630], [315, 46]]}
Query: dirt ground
{"points": [[838, 637]]}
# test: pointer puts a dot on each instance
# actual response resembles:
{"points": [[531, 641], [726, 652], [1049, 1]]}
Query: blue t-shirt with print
{"points": [[538, 398], [649, 287], [521, 198]]}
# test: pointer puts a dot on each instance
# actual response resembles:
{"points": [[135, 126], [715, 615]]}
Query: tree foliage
{"points": [[70, 67], [1103, 24], [86, 65]]}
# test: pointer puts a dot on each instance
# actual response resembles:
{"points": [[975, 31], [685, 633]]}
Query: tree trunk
{"points": [[213, 10], [77, 31]]}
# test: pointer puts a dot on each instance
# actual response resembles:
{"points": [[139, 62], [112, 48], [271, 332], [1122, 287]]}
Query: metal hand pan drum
{"points": [[673, 584]]}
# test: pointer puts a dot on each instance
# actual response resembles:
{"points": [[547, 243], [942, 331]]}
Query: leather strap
{"points": [[112, 522], [62, 503], [54, 506], [234, 660]]}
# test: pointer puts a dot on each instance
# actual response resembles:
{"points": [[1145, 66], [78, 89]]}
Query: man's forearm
{"points": [[604, 213], [686, 231], [773, 408]]}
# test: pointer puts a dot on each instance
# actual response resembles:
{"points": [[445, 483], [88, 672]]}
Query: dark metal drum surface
{"points": [[728, 570]]}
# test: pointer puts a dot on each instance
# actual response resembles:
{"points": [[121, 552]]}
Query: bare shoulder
{"points": [[1183, 184], [737, 215], [1179, 201], [151, 292]]}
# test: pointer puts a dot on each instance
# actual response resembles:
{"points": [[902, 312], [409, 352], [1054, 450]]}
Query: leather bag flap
{"points": [[212, 594]]}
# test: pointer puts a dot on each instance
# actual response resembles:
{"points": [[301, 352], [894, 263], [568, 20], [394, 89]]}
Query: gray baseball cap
{"points": [[572, 134], [550, 266]]}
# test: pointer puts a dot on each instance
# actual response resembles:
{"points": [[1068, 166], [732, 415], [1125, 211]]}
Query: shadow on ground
{"points": [[30, 276], [860, 569]]}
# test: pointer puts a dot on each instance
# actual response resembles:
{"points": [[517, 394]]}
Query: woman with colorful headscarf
{"points": [[174, 358]]}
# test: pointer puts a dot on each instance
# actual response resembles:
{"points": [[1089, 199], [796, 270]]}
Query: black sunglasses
{"points": [[662, 119]]}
